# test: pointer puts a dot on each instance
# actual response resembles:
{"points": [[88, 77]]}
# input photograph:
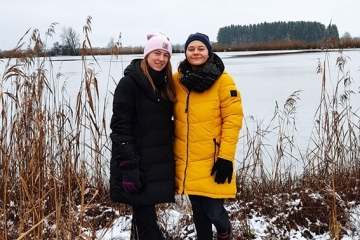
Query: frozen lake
{"points": [[263, 78]]}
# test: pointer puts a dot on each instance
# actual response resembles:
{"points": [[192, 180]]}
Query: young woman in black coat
{"points": [[142, 169]]}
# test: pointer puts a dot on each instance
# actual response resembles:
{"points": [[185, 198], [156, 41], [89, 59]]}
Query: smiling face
{"points": [[158, 59], [197, 53]]}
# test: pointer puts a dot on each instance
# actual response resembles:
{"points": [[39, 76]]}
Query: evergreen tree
{"points": [[276, 31]]}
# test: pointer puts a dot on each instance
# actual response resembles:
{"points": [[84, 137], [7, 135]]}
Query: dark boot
{"points": [[226, 236]]}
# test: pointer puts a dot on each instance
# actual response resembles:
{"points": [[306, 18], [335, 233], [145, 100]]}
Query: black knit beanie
{"points": [[201, 37]]}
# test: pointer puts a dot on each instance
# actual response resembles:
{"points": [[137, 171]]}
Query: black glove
{"points": [[131, 175], [223, 169]]}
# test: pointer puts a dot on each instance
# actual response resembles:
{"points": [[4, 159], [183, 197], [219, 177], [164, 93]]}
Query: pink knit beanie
{"points": [[157, 40]]}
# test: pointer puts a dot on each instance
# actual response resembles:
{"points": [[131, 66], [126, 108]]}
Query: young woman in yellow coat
{"points": [[208, 117]]}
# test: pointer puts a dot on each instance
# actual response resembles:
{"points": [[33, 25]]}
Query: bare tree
{"points": [[346, 36], [70, 41], [111, 43]]}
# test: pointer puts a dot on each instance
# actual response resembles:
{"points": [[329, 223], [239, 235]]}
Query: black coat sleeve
{"points": [[123, 120]]}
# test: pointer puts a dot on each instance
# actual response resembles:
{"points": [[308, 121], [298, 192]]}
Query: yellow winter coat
{"points": [[207, 126]]}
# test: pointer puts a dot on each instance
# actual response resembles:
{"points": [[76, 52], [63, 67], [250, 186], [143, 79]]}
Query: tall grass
{"points": [[319, 197], [54, 156]]}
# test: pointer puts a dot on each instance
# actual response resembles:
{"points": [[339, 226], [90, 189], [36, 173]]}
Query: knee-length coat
{"points": [[207, 125], [142, 126]]}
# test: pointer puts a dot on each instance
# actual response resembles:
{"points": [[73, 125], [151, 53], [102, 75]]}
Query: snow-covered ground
{"points": [[256, 224]]}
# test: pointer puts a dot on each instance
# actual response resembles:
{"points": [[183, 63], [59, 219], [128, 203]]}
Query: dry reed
{"points": [[54, 157]]}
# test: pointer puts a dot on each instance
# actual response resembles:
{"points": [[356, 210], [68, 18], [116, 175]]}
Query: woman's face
{"points": [[158, 59], [197, 53]]}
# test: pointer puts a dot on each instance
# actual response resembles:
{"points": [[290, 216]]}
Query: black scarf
{"points": [[157, 77], [203, 78]]}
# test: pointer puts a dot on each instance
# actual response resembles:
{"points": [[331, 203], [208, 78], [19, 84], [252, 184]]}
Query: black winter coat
{"points": [[142, 126]]}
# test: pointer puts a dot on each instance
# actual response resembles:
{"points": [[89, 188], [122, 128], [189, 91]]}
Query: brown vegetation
{"points": [[53, 158], [118, 49], [290, 45]]}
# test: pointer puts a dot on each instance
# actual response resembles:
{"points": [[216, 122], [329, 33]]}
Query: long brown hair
{"points": [[182, 64], [168, 91]]}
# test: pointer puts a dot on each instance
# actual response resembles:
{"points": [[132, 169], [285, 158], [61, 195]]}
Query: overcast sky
{"points": [[177, 18]]}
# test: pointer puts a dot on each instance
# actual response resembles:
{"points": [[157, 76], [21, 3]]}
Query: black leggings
{"points": [[206, 212], [146, 222]]}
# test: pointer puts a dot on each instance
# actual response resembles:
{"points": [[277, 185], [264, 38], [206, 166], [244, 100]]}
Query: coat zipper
{"points": [[187, 138]]}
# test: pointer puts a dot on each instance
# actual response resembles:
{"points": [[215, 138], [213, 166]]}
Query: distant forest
{"points": [[253, 37], [276, 31]]}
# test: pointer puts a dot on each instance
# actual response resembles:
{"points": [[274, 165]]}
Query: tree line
{"points": [[254, 33], [234, 37], [276, 31]]}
